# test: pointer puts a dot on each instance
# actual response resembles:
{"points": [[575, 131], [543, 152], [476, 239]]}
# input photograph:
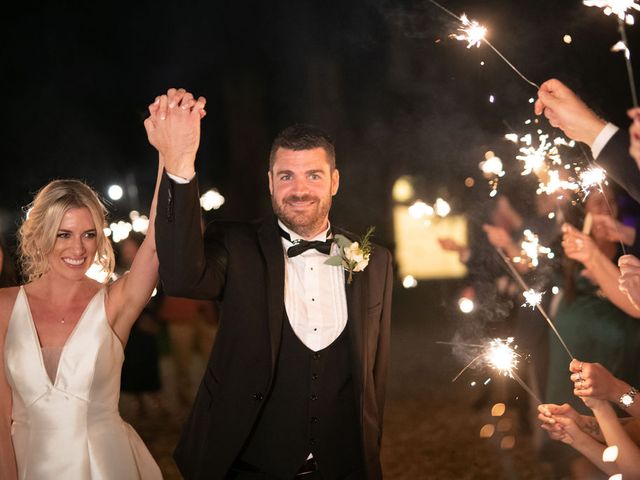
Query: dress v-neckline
{"points": [[36, 337]]}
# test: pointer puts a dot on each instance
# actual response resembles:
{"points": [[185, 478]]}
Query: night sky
{"points": [[397, 95]]}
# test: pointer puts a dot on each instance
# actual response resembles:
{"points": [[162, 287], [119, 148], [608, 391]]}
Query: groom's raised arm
{"points": [[188, 267]]}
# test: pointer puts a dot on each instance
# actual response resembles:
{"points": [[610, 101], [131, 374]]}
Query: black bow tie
{"points": [[300, 246]]}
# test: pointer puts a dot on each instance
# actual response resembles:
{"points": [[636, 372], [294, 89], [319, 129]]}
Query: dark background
{"points": [[382, 77]]}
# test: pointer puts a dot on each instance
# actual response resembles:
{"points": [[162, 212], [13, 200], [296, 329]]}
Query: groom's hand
{"points": [[173, 128]]}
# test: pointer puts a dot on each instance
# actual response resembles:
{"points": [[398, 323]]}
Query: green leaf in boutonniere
{"points": [[352, 256]]}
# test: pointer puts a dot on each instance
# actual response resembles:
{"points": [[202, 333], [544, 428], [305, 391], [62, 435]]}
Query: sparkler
{"points": [[532, 297], [620, 9], [532, 249], [492, 169], [474, 33], [500, 355], [545, 161], [592, 177], [538, 306]]}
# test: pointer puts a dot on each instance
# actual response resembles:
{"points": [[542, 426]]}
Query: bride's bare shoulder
{"points": [[7, 300]]}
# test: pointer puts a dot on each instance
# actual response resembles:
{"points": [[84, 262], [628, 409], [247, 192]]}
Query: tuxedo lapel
{"points": [[271, 246], [356, 308]]}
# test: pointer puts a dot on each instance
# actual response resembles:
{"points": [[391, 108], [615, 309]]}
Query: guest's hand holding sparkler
{"points": [[600, 268], [499, 238], [629, 281], [634, 134], [621, 439], [593, 381], [578, 246], [450, 245], [610, 229], [550, 412], [564, 424], [566, 111]]}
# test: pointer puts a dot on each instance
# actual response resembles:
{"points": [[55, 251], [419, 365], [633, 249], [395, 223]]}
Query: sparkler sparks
{"points": [[499, 354], [535, 159], [518, 278], [502, 356], [472, 32], [532, 297], [532, 249], [592, 177], [620, 8], [617, 7]]}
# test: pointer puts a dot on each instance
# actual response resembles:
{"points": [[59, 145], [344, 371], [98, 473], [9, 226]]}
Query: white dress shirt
{"points": [[608, 131], [314, 294]]}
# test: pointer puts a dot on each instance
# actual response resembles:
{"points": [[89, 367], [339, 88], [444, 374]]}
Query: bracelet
{"points": [[628, 399]]}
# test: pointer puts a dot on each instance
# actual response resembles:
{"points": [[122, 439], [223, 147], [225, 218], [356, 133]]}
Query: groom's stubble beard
{"points": [[305, 224]]}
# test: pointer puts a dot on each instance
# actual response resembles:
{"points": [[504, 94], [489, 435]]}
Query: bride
{"points": [[61, 342], [61, 338]]}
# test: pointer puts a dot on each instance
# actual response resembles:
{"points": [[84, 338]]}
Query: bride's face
{"points": [[76, 243]]}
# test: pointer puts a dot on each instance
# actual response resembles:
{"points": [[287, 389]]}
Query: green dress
{"points": [[595, 330]]}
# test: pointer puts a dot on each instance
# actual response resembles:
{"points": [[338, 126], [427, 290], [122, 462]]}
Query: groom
{"points": [[295, 384]]}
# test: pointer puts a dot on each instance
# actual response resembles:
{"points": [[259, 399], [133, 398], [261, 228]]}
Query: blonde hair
{"points": [[38, 232]]}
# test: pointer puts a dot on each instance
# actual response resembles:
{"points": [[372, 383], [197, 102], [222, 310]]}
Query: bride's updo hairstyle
{"points": [[38, 232]]}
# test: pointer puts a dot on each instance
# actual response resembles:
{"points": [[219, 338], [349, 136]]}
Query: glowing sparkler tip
{"points": [[472, 32], [532, 297], [502, 356], [617, 7], [592, 177]]}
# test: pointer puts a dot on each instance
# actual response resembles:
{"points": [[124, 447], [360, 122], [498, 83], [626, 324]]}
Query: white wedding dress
{"points": [[70, 427]]}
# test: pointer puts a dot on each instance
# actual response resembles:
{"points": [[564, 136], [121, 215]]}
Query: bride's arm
{"points": [[129, 294], [8, 469]]}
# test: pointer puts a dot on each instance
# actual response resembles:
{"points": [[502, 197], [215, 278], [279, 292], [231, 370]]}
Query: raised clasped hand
{"points": [[173, 128]]}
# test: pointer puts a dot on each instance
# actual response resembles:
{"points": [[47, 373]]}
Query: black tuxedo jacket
{"points": [[620, 165], [243, 264]]}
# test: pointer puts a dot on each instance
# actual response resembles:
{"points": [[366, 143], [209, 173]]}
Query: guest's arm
{"points": [[562, 424], [629, 281], [582, 248], [592, 380], [8, 468], [634, 134], [612, 230], [565, 110], [628, 460]]}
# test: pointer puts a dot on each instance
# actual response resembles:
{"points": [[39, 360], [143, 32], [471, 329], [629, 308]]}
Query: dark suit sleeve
{"points": [[382, 353], [620, 166], [190, 266]]}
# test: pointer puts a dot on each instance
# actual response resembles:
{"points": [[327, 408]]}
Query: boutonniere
{"points": [[352, 256]]}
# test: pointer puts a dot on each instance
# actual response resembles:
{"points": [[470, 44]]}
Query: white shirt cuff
{"points": [[608, 131], [180, 180]]}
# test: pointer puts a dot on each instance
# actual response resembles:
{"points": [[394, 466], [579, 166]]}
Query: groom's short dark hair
{"points": [[303, 137]]}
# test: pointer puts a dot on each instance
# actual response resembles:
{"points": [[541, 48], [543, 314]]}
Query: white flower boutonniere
{"points": [[352, 256]]}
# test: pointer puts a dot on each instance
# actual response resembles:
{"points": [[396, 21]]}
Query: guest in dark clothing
{"points": [[611, 147], [7, 273]]}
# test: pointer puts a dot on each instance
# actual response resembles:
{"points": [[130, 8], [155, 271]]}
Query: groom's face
{"points": [[302, 183]]}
